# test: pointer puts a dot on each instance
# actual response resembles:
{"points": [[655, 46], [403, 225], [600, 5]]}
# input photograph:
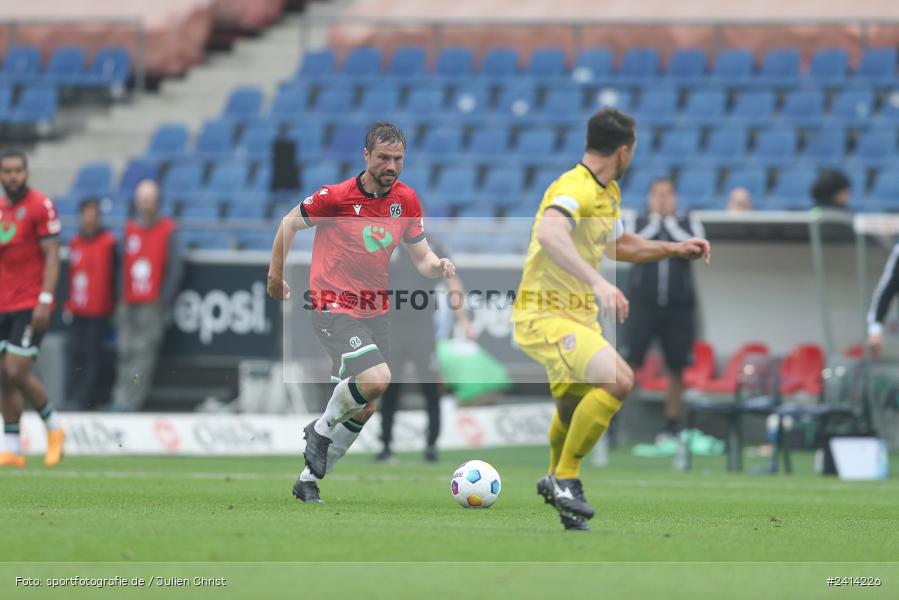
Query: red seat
{"points": [[855, 351], [703, 367], [801, 370], [727, 383], [651, 376]]}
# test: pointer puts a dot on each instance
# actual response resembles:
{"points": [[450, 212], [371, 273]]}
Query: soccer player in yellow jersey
{"points": [[555, 314]]}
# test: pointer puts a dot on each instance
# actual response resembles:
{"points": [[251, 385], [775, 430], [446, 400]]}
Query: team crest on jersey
{"points": [[569, 342], [355, 342], [395, 210]]}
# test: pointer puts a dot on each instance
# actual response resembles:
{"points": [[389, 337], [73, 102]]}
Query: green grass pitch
{"points": [[656, 531]]}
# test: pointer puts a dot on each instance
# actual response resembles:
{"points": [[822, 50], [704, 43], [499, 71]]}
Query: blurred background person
{"points": [[413, 340], [832, 189], [886, 289], [739, 200], [663, 297], [93, 262], [151, 274]]}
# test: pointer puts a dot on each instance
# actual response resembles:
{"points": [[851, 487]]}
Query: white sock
{"points": [[12, 443], [341, 440], [341, 406], [50, 417]]}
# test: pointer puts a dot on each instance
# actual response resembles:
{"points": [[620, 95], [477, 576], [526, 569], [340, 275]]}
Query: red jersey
{"points": [[356, 233], [23, 225]]}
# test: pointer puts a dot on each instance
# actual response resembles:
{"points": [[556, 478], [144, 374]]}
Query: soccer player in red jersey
{"points": [[358, 225], [29, 269]]}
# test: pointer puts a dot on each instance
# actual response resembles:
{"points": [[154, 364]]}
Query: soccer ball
{"points": [[475, 484]]}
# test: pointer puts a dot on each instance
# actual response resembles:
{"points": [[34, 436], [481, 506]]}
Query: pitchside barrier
{"points": [[102, 434]]}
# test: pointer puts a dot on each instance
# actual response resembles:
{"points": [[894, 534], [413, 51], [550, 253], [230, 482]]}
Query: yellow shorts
{"points": [[564, 348]]}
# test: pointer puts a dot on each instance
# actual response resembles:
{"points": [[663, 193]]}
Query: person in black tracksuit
{"points": [[663, 297], [413, 340], [887, 287]]}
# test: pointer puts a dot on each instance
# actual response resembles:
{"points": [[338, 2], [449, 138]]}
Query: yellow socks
{"points": [[557, 431], [590, 420]]}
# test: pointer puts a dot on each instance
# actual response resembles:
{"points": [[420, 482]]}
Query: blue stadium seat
{"points": [[825, 147], [678, 147], [479, 209], [500, 63], [636, 185], [753, 179], [197, 208], [290, 104], [408, 62], [380, 103], [877, 67], [889, 110], [65, 67], [780, 68], [725, 147], [205, 239], [347, 142], [455, 186], [440, 142], [111, 67], [255, 240], [262, 181], [775, 147], [733, 67], [425, 103], [418, 178], [687, 66], [182, 181], [36, 106], [470, 102], [5, 102], [251, 207], [362, 62], [829, 66], [884, 195], [517, 102], [535, 144], [704, 107], [228, 180], [136, 171], [454, 62], [335, 102], [638, 66], [215, 141], [309, 139], [696, 188], [593, 65], [317, 175], [21, 64], [488, 144], [503, 186], [255, 143], [243, 103], [852, 107], [612, 98], [657, 108], [547, 63], [93, 180], [804, 108], [876, 147], [563, 106], [753, 108], [317, 64], [791, 192]]}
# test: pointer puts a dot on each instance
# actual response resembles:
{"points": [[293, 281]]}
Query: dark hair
{"points": [[608, 130], [829, 183], [382, 131], [14, 154], [88, 202], [659, 180]]}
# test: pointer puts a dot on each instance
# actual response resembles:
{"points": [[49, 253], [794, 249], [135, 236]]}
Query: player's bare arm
{"points": [[428, 263], [630, 247], [554, 236], [40, 318], [290, 225]]}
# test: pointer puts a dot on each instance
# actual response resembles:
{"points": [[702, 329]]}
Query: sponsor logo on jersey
{"points": [[7, 232], [376, 238]]}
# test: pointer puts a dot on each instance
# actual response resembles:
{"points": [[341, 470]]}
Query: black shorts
{"points": [[673, 326], [16, 335], [354, 345]]}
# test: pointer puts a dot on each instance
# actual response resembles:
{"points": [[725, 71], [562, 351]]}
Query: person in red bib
{"points": [[93, 257], [29, 269], [359, 223], [151, 273]]}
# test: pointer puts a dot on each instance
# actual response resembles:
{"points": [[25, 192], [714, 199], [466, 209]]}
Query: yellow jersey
{"points": [[594, 210]]}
